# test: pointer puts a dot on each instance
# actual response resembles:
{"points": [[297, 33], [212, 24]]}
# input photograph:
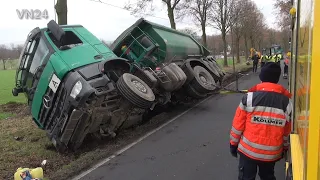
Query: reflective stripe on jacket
{"points": [[274, 58], [279, 57], [261, 125]]}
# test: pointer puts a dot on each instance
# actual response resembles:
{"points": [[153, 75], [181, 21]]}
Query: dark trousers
{"points": [[254, 67], [248, 169], [285, 69]]}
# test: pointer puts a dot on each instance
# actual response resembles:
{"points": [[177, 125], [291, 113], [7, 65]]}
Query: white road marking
{"points": [[117, 153]]}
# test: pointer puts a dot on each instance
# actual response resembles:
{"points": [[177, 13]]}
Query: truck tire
{"points": [[203, 81], [179, 73], [216, 74], [193, 93], [174, 79], [135, 91], [217, 68]]}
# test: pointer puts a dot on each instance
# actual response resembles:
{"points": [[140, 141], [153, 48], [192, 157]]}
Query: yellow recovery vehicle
{"points": [[303, 158]]}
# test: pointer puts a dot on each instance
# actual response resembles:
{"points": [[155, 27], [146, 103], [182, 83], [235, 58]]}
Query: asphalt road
{"points": [[194, 146]]}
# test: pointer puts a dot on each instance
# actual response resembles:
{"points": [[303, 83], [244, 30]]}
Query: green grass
{"points": [[5, 115], [230, 61], [6, 85]]}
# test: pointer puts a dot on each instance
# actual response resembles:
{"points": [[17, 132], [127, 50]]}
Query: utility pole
{"points": [[54, 10], [62, 11]]}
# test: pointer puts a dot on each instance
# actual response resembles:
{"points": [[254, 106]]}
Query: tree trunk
{"points": [[62, 11], [238, 49], [204, 35], [252, 42], [225, 60], [171, 16], [4, 64], [259, 45], [232, 44], [246, 46]]}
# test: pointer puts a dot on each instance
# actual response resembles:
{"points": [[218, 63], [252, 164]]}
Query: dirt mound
{"points": [[19, 109]]}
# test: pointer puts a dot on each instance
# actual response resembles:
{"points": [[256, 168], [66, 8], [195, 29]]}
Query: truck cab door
{"points": [[31, 59]]}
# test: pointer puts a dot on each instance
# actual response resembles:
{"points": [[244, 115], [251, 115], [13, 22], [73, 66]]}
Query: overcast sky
{"points": [[104, 21]]}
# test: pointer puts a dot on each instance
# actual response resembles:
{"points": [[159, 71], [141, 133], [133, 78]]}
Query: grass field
{"points": [[230, 61], [23, 144], [6, 85]]}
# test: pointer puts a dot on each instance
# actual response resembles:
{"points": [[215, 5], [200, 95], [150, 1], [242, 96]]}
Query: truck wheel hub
{"points": [[204, 80], [139, 86]]}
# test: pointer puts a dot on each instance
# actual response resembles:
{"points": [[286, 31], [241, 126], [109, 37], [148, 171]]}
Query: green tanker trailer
{"points": [[185, 64]]}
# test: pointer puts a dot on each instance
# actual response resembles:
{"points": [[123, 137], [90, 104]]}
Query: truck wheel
{"points": [[217, 67], [193, 93], [174, 80], [216, 74], [179, 73], [135, 90], [203, 82]]}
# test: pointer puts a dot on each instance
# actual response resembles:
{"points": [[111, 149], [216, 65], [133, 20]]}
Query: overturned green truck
{"points": [[76, 85]]}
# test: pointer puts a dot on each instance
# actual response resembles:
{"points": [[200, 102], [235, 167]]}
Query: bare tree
{"points": [[283, 7], [272, 36], [252, 25], [284, 20], [62, 11], [198, 10], [220, 16], [215, 44], [239, 13], [285, 38], [4, 55], [9, 53], [142, 6], [257, 26], [190, 31]]}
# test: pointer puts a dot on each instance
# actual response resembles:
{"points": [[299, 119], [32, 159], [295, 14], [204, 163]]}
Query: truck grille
{"points": [[50, 115]]}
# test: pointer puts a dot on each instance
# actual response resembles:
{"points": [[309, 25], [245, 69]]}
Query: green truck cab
{"points": [[75, 85]]}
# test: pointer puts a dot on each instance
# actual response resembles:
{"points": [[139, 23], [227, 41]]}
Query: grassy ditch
{"points": [[23, 144], [6, 85]]}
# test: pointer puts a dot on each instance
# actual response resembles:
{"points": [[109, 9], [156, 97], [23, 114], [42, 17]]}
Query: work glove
{"points": [[233, 150]]}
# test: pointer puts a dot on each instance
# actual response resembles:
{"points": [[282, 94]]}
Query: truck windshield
{"points": [[39, 56]]}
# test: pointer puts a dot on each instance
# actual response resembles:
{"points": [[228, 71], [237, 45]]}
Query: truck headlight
{"points": [[76, 89]]}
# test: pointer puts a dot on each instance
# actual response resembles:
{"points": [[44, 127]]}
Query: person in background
{"points": [[255, 61], [285, 68], [261, 126]]}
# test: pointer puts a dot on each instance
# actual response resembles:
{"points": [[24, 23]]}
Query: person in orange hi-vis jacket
{"points": [[261, 126], [285, 68]]}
